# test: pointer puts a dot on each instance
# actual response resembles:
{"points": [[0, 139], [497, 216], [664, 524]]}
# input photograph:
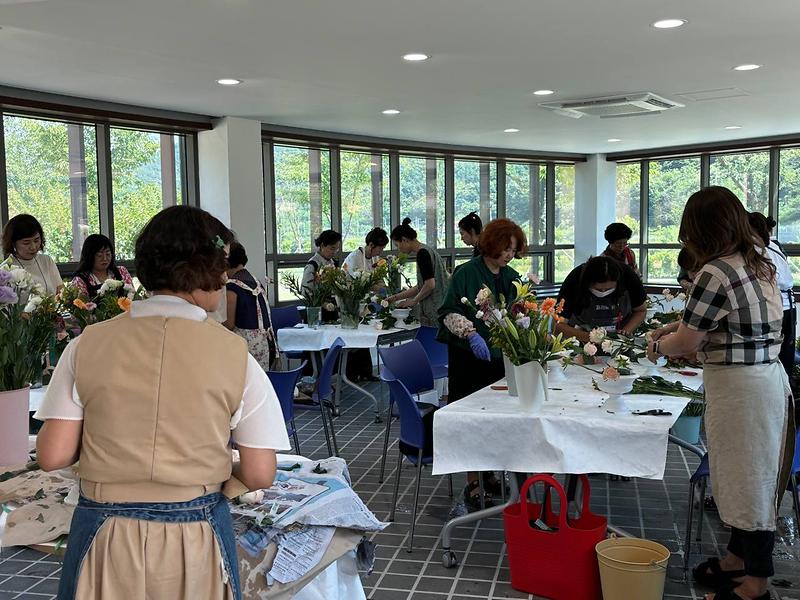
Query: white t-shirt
{"points": [[357, 261], [783, 273], [257, 423], [43, 270]]}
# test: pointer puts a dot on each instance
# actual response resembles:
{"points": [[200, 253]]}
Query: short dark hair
{"points": [[91, 246], [181, 249], [377, 237], [497, 237], [404, 230], [329, 237], [18, 228], [617, 231], [760, 226], [237, 256], [472, 222], [600, 269]]}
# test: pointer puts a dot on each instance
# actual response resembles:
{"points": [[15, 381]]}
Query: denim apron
{"points": [[89, 516]]}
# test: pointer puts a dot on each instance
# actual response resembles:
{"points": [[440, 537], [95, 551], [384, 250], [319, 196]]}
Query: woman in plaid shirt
{"points": [[733, 320]]}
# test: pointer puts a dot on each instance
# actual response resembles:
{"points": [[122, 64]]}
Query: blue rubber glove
{"points": [[479, 348]]}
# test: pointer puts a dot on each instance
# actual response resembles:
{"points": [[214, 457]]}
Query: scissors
{"points": [[653, 412]]}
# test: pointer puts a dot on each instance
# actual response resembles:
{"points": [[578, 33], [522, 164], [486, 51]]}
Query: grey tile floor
{"points": [[652, 509]]}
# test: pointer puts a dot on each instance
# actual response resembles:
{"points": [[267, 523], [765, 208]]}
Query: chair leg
{"points": [[324, 417], [450, 485], [416, 501], [386, 441], [333, 432], [687, 543], [703, 485], [396, 484], [296, 439]]}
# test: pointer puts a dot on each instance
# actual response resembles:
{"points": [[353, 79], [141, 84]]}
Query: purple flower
{"points": [[524, 322], [7, 295], [5, 277]]}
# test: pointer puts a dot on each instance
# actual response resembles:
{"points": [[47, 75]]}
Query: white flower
{"points": [[20, 278], [464, 300], [378, 325], [110, 285], [655, 322], [607, 346], [503, 312], [681, 297], [667, 295], [385, 303], [33, 303], [597, 335], [483, 296], [254, 497], [479, 314], [590, 349], [498, 316], [622, 360], [375, 299]]}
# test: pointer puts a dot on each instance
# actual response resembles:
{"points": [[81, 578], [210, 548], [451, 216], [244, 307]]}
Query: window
{"points": [[52, 174], [534, 263], [365, 196], [662, 265], [302, 197], [143, 180], [422, 198], [746, 174], [475, 191], [526, 200], [629, 196], [564, 263], [565, 204], [671, 183], [789, 198], [285, 295]]}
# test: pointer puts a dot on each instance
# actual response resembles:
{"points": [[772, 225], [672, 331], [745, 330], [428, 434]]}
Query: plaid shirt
{"points": [[741, 314]]}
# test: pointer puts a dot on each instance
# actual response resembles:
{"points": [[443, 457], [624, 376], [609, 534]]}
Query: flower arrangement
{"points": [[352, 289], [25, 328], [113, 298], [523, 331], [314, 297], [394, 273]]}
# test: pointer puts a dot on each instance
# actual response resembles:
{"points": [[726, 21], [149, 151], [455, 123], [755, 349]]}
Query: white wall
{"points": [[595, 205], [232, 183]]}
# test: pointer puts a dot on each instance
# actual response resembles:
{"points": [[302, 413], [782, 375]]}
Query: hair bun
{"points": [[407, 221]]}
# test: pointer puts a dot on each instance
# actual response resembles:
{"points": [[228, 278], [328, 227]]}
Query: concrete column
{"points": [[595, 205]]}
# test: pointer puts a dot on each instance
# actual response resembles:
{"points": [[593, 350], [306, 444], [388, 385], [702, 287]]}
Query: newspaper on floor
{"points": [[299, 551]]}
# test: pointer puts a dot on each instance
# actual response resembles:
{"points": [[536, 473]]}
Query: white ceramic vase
{"points": [[531, 381], [511, 380]]}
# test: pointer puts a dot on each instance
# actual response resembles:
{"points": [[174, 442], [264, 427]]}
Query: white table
{"points": [[572, 434], [36, 398], [302, 338]]}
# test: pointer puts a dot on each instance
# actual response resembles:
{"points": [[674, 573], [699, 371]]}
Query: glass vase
{"points": [[349, 311], [314, 316]]}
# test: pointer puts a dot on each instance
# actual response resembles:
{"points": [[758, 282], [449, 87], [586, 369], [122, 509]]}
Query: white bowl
{"points": [[617, 387], [401, 313], [653, 368]]}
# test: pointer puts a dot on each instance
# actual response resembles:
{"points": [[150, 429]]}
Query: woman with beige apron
{"points": [[149, 401], [733, 320]]}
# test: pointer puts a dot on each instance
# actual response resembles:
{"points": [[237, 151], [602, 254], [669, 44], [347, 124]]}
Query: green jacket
{"points": [[466, 281]]}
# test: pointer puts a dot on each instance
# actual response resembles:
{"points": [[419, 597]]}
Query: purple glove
{"points": [[479, 348]]}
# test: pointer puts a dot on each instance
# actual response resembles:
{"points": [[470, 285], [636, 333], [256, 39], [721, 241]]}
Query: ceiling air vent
{"points": [[605, 107]]}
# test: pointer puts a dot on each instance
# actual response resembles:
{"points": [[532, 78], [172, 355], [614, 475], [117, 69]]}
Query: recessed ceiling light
{"points": [[732, 127], [415, 57], [614, 140], [746, 67], [391, 111], [511, 130], [229, 81], [669, 23], [543, 92]]}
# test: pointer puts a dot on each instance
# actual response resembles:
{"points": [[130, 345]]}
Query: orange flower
{"points": [[610, 374], [548, 305], [560, 306], [531, 306], [124, 304], [78, 303]]}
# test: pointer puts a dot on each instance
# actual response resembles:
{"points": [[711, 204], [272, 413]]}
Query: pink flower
{"points": [[590, 349], [534, 278], [610, 374]]}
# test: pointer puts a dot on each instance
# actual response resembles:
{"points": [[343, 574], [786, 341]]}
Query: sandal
{"points": [[717, 577], [472, 497], [727, 593], [491, 484], [709, 503]]}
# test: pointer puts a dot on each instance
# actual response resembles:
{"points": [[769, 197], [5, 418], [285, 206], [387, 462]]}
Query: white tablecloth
{"points": [[36, 398], [489, 431], [302, 338]]}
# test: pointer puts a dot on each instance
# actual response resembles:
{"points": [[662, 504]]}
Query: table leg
{"points": [[346, 381], [686, 445]]}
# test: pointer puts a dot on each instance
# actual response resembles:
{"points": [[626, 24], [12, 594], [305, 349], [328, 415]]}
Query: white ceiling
{"points": [[335, 64]]}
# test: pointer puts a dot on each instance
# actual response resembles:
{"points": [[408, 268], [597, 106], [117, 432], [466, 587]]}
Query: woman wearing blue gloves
{"points": [[466, 337]]}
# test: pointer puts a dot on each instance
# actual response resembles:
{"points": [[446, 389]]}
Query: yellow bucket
{"points": [[632, 568]]}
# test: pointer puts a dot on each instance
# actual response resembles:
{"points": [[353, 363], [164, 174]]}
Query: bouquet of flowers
{"points": [[523, 331], [25, 328], [113, 298], [394, 273], [314, 297], [351, 289]]}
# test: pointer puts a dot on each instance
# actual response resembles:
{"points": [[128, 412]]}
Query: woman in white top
{"points": [[23, 239], [364, 258]]}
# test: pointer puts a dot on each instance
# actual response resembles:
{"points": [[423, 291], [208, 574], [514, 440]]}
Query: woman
{"points": [[465, 335], [469, 228], [733, 319], [762, 226], [246, 305], [23, 239], [152, 433], [426, 296], [97, 264], [328, 244], [602, 292], [617, 236], [364, 257]]}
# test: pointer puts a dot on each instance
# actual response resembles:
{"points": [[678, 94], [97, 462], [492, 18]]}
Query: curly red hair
{"points": [[496, 237]]}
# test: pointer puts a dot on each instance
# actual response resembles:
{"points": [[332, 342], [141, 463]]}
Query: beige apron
{"points": [[748, 419]]}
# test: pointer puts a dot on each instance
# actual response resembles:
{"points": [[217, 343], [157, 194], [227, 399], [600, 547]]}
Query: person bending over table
{"points": [[426, 296], [149, 402], [733, 318], [604, 293], [476, 365]]}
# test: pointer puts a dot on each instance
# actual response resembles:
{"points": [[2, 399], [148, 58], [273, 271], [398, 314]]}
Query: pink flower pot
{"points": [[14, 427]]}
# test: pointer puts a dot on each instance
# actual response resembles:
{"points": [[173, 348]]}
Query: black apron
{"points": [[608, 313]]}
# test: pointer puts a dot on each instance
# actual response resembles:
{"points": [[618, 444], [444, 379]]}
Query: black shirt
{"points": [[425, 264], [575, 298]]}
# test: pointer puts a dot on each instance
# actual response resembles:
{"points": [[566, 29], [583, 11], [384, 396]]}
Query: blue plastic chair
{"points": [[284, 383], [412, 432], [322, 397], [410, 364], [436, 350], [282, 317]]}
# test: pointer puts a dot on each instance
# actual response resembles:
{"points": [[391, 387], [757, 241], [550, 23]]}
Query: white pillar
{"points": [[595, 204], [232, 183]]}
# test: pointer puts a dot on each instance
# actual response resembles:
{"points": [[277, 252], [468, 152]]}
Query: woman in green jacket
{"points": [[501, 241]]}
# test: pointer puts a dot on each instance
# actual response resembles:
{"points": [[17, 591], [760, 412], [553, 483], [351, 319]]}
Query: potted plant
{"points": [[313, 296], [27, 323], [352, 290], [687, 427]]}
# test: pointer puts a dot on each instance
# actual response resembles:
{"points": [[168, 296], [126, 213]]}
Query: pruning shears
{"points": [[653, 412]]}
